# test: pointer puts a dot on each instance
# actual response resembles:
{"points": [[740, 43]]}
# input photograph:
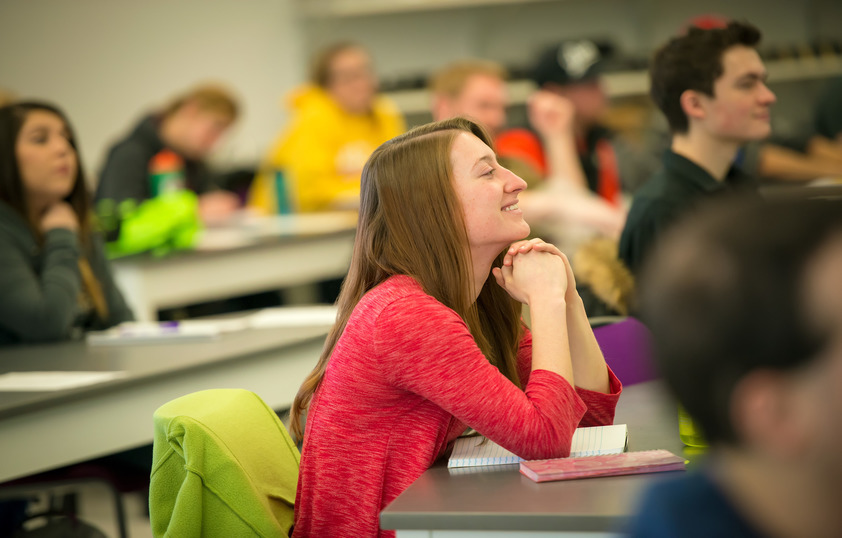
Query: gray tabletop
{"points": [[45, 430], [141, 363], [500, 498]]}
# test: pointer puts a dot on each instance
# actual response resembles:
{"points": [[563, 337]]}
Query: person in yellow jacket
{"points": [[338, 121]]}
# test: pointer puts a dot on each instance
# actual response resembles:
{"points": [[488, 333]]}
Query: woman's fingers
{"points": [[522, 247], [498, 276], [548, 247]]}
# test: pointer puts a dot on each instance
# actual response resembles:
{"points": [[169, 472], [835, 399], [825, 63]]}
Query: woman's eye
{"points": [[489, 172]]}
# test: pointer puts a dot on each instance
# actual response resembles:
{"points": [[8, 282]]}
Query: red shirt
{"points": [[404, 380]]}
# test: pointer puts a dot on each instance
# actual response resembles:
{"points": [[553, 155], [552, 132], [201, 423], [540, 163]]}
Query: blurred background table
{"points": [[247, 256]]}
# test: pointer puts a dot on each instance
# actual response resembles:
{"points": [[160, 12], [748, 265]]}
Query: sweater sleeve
{"points": [[40, 307], [428, 350], [601, 406], [118, 310]]}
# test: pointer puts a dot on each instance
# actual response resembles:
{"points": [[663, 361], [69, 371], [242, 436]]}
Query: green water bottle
{"points": [[282, 197], [689, 433]]}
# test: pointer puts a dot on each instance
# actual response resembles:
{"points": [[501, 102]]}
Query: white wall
{"points": [[414, 43], [107, 62]]}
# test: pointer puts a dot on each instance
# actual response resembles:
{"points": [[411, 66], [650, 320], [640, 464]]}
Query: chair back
{"points": [[627, 347], [223, 465]]}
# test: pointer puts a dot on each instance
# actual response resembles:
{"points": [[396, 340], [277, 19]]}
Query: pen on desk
{"points": [[140, 329]]}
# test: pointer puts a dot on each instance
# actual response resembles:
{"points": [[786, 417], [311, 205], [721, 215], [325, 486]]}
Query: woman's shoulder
{"points": [[14, 229], [400, 301], [399, 292], [394, 288]]}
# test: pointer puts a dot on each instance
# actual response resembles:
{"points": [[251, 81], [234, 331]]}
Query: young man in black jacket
{"points": [[711, 86]]}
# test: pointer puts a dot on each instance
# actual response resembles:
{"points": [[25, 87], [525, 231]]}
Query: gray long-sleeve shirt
{"points": [[40, 284]]}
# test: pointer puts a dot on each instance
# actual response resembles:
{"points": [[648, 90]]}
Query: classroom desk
{"points": [[44, 430], [259, 255], [501, 502]]}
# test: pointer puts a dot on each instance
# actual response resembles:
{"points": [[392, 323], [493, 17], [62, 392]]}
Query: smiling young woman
{"points": [[54, 278], [429, 340]]}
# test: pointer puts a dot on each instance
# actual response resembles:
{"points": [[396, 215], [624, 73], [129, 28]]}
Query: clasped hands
{"points": [[534, 269]]}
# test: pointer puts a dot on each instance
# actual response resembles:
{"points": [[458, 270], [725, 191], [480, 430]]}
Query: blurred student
{"points": [[165, 153], [827, 142], [7, 97], [338, 120], [745, 304], [476, 89], [54, 278], [711, 86], [566, 139], [792, 161], [429, 338], [829, 112]]}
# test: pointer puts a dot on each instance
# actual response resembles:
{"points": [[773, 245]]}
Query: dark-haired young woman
{"points": [[54, 278]]}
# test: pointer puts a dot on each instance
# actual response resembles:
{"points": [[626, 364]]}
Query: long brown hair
{"points": [[411, 223], [12, 191]]}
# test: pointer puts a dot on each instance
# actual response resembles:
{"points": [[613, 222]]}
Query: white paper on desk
{"points": [[139, 332], [588, 441], [48, 381], [294, 316]]}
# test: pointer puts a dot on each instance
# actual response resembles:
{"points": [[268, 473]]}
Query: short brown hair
{"points": [[211, 97], [320, 68], [693, 62], [451, 79]]}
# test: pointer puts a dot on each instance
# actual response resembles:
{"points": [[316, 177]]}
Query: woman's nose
{"points": [[514, 182]]}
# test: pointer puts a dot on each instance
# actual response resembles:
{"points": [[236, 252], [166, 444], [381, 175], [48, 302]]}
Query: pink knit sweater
{"points": [[404, 380]]}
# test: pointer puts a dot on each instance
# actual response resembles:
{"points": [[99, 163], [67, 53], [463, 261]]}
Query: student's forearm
{"points": [[825, 148], [783, 163], [563, 160], [588, 363], [550, 343]]}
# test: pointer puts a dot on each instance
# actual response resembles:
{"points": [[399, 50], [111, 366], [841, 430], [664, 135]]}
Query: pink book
{"points": [[649, 461]]}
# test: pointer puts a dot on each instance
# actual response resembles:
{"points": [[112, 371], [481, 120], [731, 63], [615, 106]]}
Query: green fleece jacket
{"points": [[223, 465], [40, 284]]}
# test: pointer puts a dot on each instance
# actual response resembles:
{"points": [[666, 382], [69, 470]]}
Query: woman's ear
{"points": [[767, 418], [692, 103]]}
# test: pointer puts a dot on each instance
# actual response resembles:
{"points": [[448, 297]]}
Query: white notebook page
{"points": [[593, 441]]}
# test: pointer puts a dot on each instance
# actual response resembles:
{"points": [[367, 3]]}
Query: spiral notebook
{"points": [[593, 441]]}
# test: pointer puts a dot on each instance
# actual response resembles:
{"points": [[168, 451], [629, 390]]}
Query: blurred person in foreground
{"points": [[711, 86], [163, 159], [744, 301], [338, 119]]}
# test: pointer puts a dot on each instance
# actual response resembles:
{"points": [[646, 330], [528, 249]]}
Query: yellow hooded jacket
{"points": [[322, 152]]}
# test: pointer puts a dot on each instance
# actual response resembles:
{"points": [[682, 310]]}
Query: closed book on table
{"points": [[649, 461]]}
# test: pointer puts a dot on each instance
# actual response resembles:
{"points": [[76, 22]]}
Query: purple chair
{"points": [[627, 347]]}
